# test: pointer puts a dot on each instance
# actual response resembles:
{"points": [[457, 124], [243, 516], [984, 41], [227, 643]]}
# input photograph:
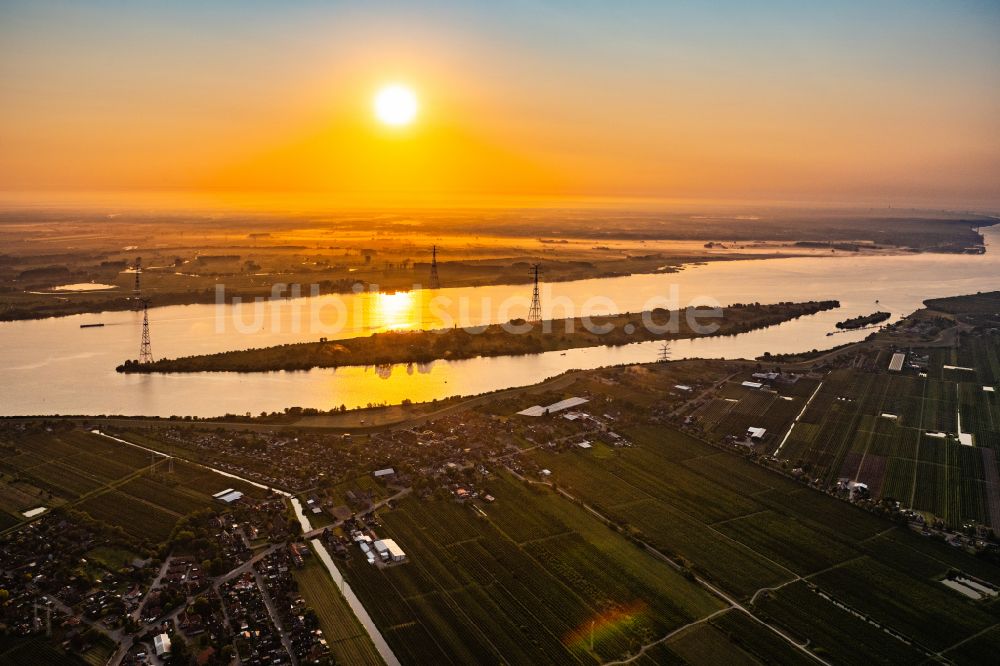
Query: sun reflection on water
{"points": [[395, 311]]}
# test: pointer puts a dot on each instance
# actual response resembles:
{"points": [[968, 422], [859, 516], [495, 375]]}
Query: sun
{"points": [[396, 104]]}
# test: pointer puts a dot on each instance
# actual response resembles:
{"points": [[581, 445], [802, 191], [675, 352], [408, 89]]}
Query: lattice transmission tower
{"points": [[137, 290], [535, 311], [664, 352], [145, 350], [435, 280]]}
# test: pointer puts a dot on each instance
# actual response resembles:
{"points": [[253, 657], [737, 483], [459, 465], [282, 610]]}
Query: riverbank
{"points": [[166, 287], [515, 338], [54, 367], [182, 265]]}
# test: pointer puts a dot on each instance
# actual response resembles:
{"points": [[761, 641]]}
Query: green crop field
{"points": [[139, 519], [176, 499], [766, 646], [874, 427], [118, 484], [738, 408], [731, 638], [34, 651], [783, 531], [979, 650], [525, 584], [345, 636], [832, 632], [705, 644], [787, 541], [923, 610]]}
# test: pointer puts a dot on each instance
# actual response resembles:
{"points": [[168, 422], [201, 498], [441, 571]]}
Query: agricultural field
{"points": [[34, 651], [736, 407], [918, 609], [979, 650], [347, 639], [798, 556], [733, 638], [120, 485], [834, 633], [530, 578], [768, 648], [927, 437]]}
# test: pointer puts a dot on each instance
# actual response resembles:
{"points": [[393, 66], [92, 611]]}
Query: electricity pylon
{"points": [[535, 312], [145, 350], [435, 280]]}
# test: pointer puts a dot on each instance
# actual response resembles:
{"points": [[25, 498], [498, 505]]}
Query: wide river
{"points": [[52, 366]]}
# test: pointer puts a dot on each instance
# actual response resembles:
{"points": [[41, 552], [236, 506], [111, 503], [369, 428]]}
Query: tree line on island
{"points": [[424, 346], [863, 320]]}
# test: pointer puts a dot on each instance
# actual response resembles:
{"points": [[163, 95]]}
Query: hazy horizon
{"points": [[237, 103]]}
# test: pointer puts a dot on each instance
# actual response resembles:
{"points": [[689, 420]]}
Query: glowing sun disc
{"points": [[396, 105]]}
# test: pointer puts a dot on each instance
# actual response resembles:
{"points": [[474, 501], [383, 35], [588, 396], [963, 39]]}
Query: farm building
{"points": [[584, 444], [366, 549], [756, 434], [753, 385], [161, 644], [389, 551], [538, 410], [858, 488], [683, 387], [896, 362], [384, 473], [228, 496]]}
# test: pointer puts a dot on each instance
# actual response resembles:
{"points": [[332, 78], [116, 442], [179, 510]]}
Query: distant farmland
{"points": [[895, 432], [526, 575], [115, 483], [761, 536], [939, 475], [522, 585]]}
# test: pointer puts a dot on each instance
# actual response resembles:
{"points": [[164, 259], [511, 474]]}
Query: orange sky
{"points": [[556, 100]]}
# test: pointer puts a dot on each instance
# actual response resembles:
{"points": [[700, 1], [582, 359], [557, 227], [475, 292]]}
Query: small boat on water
{"points": [[91, 325]]}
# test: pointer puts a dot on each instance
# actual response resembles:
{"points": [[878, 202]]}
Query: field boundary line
{"points": [[799, 416], [920, 441], [148, 503], [733, 603], [880, 534], [709, 526], [967, 639], [670, 635], [871, 437], [774, 588], [541, 539], [745, 515], [837, 566]]}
